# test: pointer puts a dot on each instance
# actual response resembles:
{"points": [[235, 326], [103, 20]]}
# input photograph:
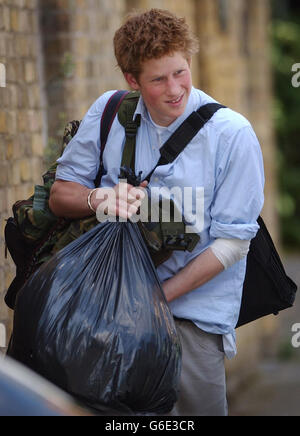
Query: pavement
{"points": [[275, 390]]}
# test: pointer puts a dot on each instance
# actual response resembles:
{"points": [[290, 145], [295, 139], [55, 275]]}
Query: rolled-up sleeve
{"points": [[239, 196], [81, 159]]}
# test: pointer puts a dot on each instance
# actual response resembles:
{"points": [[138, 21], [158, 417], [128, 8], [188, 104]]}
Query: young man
{"points": [[204, 287]]}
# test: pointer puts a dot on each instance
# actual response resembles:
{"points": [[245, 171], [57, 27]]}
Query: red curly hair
{"points": [[151, 35]]}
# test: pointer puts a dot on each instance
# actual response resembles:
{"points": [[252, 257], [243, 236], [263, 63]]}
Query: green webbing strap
{"points": [[125, 116]]}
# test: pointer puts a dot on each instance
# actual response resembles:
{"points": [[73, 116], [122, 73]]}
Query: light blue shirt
{"points": [[224, 159]]}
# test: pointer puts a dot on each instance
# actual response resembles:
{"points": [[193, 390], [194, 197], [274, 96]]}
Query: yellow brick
{"points": [[3, 200], [23, 45], [37, 170], [3, 174], [9, 150], [34, 121], [11, 122], [3, 123], [25, 25], [22, 121], [2, 284], [25, 170], [15, 176], [37, 145], [14, 20], [17, 149], [6, 18], [30, 72], [31, 4]]}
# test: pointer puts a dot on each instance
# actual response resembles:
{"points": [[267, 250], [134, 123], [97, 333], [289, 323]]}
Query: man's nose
{"points": [[173, 87]]}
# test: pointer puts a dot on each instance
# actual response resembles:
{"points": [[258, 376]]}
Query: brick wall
{"points": [[57, 55], [78, 53], [21, 120]]}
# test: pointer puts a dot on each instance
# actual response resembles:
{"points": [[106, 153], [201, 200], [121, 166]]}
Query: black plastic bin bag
{"points": [[94, 320]]}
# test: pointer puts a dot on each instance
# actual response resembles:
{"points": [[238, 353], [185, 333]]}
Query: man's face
{"points": [[165, 85]]}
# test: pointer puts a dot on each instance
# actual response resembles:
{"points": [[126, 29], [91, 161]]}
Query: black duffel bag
{"points": [[267, 288]]}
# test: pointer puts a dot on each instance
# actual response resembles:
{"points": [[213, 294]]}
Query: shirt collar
{"points": [[141, 109], [191, 106]]}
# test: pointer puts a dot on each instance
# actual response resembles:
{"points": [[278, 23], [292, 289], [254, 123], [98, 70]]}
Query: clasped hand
{"points": [[122, 200]]}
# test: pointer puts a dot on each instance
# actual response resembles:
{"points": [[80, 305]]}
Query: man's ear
{"points": [[132, 82]]}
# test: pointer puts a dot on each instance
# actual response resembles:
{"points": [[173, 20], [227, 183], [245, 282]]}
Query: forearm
{"points": [[199, 271], [69, 200]]}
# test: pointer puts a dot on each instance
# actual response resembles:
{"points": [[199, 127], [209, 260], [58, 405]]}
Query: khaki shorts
{"points": [[202, 383]]}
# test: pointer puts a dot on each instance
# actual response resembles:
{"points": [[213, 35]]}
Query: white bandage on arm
{"points": [[230, 251]]}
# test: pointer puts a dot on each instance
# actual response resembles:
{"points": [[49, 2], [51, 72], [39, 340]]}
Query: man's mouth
{"points": [[176, 100]]}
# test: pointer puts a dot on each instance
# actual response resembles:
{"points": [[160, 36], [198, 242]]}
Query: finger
{"points": [[131, 197], [118, 210], [114, 207], [132, 210], [122, 189], [136, 203], [125, 209], [136, 194]]}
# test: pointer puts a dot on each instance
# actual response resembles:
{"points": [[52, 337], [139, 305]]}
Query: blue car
{"points": [[24, 393]]}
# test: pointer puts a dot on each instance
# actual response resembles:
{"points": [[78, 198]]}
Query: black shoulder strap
{"points": [[108, 116], [184, 134]]}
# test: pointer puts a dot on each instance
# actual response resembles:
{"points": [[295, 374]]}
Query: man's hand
{"points": [[123, 200]]}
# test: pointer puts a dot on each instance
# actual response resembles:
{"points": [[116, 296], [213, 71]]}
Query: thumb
{"points": [[144, 184]]}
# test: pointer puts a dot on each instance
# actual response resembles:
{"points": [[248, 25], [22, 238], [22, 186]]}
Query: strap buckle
{"points": [[182, 242], [175, 238], [131, 129]]}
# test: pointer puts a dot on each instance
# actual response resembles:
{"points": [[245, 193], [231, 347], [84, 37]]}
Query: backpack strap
{"points": [[125, 116], [108, 116], [184, 134], [124, 103]]}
